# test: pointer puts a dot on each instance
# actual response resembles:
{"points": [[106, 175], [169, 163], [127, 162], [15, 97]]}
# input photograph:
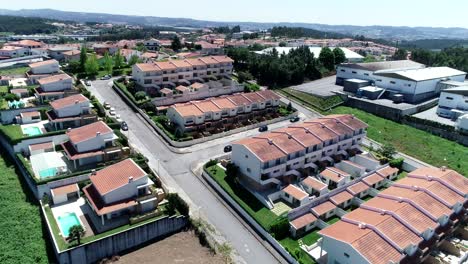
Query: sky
{"points": [[431, 13]]}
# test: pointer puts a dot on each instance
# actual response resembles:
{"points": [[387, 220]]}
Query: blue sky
{"points": [[448, 13]]}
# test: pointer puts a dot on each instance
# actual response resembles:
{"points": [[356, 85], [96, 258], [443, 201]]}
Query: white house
{"points": [[29, 117], [350, 55], [69, 112], [120, 189], [152, 44], [90, 144], [13, 52], [453, 102], [45, 67], [270, 159], [54, 87]]}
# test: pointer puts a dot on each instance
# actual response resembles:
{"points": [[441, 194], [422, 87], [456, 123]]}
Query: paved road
{"points": [[175, 170]]}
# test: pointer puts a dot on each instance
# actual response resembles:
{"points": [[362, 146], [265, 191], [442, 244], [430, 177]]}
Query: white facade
{"points": [[341, 252], [97, 142], [127, 191], [76, 109], [453, 99], [46, 68], [59, 85]]}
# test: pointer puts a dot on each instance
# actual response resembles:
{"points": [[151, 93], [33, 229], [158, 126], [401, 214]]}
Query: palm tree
{"points": [[76, 232]]}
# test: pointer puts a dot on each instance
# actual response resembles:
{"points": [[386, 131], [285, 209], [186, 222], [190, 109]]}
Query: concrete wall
{"points": [[115, 244], [23, 146], [8, 116]]}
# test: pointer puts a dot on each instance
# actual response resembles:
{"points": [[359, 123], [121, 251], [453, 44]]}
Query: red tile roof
{"points": [[66, 189], [449, 177], [314, 183], [116, 176], [42, 63], [341, 197], [322, 208], [30, 114], [334, 174], [262, 148], [303, 221], [295, 192], [53, 78], [357, 188], [100, 207], [372, 179], [67, 101], [39, 146], [84, 133], [147, 67]]}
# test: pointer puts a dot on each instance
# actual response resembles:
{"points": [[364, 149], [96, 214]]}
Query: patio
{"points": [[280, 208], [78, 208]]}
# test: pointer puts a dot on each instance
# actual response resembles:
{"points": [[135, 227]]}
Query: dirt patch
{"points": [[182, 247]]}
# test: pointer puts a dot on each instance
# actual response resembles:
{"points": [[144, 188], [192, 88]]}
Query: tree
{"points": [[231, 171], [133, 60], [118, 60], [340, 56], [74, 66], [92, 66], [141, 95], [108, 63], [76, 232], [83, 57], [400, 54], [327, 58], [289, 107], [280, 228], [282, 44], [45, 199], [243, 76], [387, 151], [236, 29], [176, 44]]}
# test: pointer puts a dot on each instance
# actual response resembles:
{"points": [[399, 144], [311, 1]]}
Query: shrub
{"points": [[212, 162], [231, 170], [397, 163], [11, 97], [280, 228], [176, 203], [141, 95]]}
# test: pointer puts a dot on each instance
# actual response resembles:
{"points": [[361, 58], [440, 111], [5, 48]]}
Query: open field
{"points": [[14, 71], [21, 231]]}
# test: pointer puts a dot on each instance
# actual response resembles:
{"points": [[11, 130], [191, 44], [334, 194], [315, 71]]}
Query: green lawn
{"points": [[3, 104], [333, 220], [14, 71], [244, 198], [292, 244], [429, 148], [12, 132], [401, 175], [313, 101], [21, 229], [3, 89]]}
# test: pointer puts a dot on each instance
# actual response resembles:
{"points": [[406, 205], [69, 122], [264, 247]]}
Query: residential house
{"points": [[20, 92], [303, 224], [294, 196], [324, 210], [209, 48], [7, 52], [334, 177], [152, 44], [71, 55], [314, 187], [29, 117], [54, 87], [91, 144], [120, 190], [70, 112], [359, 190], [281, 156], [342, 199], [129, 53], [214, 113], [45, 67]]}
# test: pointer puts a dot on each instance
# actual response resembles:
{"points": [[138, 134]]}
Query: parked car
{"points": [[112, 111], [118, 118], [88, 83], [124, 126], [228, 148], [294, 119], [263, 128], [106, 77], [107, 105]]}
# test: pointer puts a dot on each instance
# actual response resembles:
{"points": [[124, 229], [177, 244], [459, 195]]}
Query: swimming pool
{"points": [[32, 131], [48, 173], [66, 221]]}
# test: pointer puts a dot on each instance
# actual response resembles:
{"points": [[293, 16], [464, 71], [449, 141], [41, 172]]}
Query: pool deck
{"points": [[40, 125], [77, 208]]}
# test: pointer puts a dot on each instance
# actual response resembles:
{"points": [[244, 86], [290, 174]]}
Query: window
{"points": [[354, 72], [286, 195], [379, 80], [366, 74], [346, 255], [342, 70], [392, 82], [246, 156], [449, 98], [248, 169]]}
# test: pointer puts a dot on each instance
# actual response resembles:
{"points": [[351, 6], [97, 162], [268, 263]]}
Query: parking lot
{"points": [[322, 88], [431, 115]]}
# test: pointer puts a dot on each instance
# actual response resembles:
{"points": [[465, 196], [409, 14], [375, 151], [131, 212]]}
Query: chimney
{"points": [[76, 101], [93, 172], [98, 134], [130, 179], [68, 129], [443, 168], [362, 225]]}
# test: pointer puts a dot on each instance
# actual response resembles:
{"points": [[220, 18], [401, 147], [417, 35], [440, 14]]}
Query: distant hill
{"points": [[376, 32], [434, 44], [26, 25]]}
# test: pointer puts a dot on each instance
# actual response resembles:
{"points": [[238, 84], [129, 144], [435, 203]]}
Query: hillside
{"points": [[25, 25], [376, 32]]}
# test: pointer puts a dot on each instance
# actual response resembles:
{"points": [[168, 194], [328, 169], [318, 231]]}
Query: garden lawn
{"points": [[244, 198], [314, 101], [292, 244], [14, 71], [11, 132], [21, 230], [429, 148], [3, 89]]}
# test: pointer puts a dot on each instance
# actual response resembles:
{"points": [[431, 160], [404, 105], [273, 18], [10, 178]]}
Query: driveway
{"points": [[174, 169], [322, 87]]}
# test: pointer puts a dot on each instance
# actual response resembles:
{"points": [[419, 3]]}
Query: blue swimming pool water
{"points": [[48, 172], [66, 221], [32, 131]]}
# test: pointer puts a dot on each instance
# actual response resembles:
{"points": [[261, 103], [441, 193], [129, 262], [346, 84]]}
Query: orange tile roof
{"points": [[207, 106], [66, 189], [67, 101], [71, 52], [372, 179], [322, 208], [369, 244], [195, 62], [450, 177], [428, 203], [357, 188], [303, 220], [314, 183], [30, 114], [53, 78], [334, 174], [187, 110], [322, 132], [208, 60], [407, 212], [349, 120], [45, 145], [223, 103], [86, 132], [147, 67], [335, 126], [295, 192], [222, 59], [261, 148], [288, 144], [27, 42], [197, 85], [165, 91], [268, 95], [239, 99], [181, 88], [116, 175], [102, 208], [253, 97], [166, 65], [181, 63], [42, 63], [341, 197], [387, 171]]}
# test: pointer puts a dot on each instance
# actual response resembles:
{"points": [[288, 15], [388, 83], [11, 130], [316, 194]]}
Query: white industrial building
{"points": [[406, 79], [453, 102], [351, 56]]}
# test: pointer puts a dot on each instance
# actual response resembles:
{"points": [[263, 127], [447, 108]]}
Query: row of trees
{"points": [[279, 70], [300, 32], [456, 57]]}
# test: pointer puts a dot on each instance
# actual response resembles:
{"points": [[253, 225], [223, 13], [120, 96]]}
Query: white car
{"points": [[118, 119], [112, 111], [107, 105], [88, 83]]}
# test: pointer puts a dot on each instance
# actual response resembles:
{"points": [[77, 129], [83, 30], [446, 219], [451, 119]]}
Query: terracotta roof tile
{"points": [[102, 208], [42, 63], [86, 132], [53, 78], [449, 177], [303, 221], [373, 179], [67, 101], [166, 65], [262, 148], [295, 192], [39, 146], [223, 103], [30, 114], [314, 183], [334, 174], [147, 67], [322, 208], [341, 197], [66, 189], [358, 188], [387, 171]]}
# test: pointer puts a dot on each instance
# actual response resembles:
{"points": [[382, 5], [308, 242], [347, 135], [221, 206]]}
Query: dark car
{"points": [[228, 148], [294, 119], [263, 128], [124, 126]]}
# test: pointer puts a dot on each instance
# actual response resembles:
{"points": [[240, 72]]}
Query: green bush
{"points": [[397, 163], [280, 228], [176, 203], [210, 163]]}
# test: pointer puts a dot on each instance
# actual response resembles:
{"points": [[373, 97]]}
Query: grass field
{"points": [[432, 149], [14, 71], [12, 132], [322, 104], [21, 230]]}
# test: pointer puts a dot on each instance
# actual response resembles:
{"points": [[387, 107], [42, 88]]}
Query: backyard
{"points": [[14, 71], [322, 104], [21, 231]]}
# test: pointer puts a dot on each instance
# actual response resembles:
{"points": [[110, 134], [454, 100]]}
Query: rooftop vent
{"points": [[76, 101], [98, 134], [68, 129], [130, 179], [270, 141], [93, 172], [443, 168], [362, 225]]}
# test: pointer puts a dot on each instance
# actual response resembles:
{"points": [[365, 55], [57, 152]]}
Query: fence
{"points": [[199, 140]]}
